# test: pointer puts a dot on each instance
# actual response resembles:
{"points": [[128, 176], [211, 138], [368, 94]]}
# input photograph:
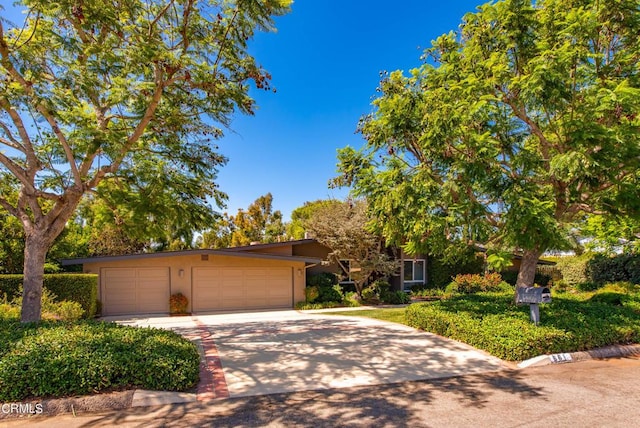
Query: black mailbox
{"points": [[533, 295]]}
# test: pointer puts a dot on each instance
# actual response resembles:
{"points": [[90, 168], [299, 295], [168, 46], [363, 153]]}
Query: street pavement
{"points": [[595, 393]]}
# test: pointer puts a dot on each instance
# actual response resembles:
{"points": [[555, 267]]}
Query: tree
{"points": [[90, 90], [511, 130], [297, 228], [258, 224], [218, 236], [342, 227]]}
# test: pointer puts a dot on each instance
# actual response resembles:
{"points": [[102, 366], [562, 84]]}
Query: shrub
{"points": [[397, 297], [622, 267], [330, 294], [322, 279], [54, 359], [474, 283], [540, 278], [68, 311], [81, 288], [491, 322], [311, 293], [178, 303], [441, 273], [573, 269]]}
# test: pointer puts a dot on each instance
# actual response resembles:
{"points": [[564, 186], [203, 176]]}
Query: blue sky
{"points": [[325, 60]]}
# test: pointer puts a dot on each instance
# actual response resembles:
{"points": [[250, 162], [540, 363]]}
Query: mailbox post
{"points": [[533, 296]]}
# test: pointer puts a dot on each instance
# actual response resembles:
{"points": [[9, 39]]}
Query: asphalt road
{"points": [[596, 393]]}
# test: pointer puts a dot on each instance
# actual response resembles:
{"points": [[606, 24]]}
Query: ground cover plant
{"points": [[55, 359], [490, 321]]}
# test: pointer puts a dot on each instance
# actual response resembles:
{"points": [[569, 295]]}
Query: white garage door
{"points": [[135, 290], [223, 289]]}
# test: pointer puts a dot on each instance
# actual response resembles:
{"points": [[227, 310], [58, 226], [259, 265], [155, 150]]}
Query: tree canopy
{"points": [[513, 129], [129, 92], [342, 226]]}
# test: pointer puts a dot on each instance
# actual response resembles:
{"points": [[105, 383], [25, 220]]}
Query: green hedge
{"points": [[53, 359], [81, 288], [569, 323], [621, 267], [574, 269]]}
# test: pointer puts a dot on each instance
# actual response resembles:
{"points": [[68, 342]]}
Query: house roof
{"points": [[222, 252], [271, 245]]}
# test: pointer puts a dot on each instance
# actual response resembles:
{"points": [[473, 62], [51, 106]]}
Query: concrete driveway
{"points": [[287, 351]]}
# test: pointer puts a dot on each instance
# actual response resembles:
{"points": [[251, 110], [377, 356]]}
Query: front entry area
{"points": [[239, 288]]}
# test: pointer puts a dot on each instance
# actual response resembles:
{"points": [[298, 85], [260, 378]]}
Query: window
{"points": [[414, 273]]}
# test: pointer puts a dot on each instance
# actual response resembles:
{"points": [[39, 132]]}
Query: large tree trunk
{"points": [[35, 252], [527, 272]]}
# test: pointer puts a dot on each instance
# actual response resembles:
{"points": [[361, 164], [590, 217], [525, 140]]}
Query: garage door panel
{"points": [[135, 290], [242, 288]]}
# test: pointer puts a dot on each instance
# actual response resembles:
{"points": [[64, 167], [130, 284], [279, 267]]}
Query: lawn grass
{"points": [[490, 321], [56, 359]]}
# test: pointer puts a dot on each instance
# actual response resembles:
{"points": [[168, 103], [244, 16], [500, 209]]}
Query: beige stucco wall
{"points": [[181, 270]]}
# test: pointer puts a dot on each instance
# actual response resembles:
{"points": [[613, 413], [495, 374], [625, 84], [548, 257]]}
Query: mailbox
{"points": [[533, 296]]}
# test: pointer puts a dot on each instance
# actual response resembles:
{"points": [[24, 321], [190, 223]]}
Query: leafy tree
{"points": [[513, 128], [342, 227], [218, 236], [296, 228], [109, 90], [259, 223], [611, 234]]}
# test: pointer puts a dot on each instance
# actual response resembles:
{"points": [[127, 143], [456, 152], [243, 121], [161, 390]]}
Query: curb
{"points": [[615, 351]]}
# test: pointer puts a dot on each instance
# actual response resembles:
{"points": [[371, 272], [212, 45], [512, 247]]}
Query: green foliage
{"points": [[621, 267], [441, 272], [322, 279], [511, 276], [125, 102], [475, 283], [324, 287], [344, 228], [491, 322], [80, 288], [55, 359], [311, 293], [574, 269], [510, 130], [68, 311]]}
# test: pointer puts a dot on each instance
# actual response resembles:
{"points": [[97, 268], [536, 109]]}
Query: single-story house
{"points": [[269, 276], [252, 277]]}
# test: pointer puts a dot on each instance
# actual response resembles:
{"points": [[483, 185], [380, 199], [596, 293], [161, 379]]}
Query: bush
{"points": [[540, 278], [323, 279], [330, 294], [53, 359], [81, 288], [441, 273], [474, 283], [68, 311], [622, 267], [573, 269], [311, 293], [491, 322], [178, 303]]}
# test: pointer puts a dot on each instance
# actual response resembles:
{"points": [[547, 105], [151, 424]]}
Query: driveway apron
{"points": [[286, 351]]}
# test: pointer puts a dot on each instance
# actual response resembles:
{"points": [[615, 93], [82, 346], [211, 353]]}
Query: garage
{"points": [[135, 290], [239, 288]]}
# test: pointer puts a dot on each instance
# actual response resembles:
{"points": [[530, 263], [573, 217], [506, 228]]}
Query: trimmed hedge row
{"points": [[491, 322], [61, 359], [81, 288]]}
